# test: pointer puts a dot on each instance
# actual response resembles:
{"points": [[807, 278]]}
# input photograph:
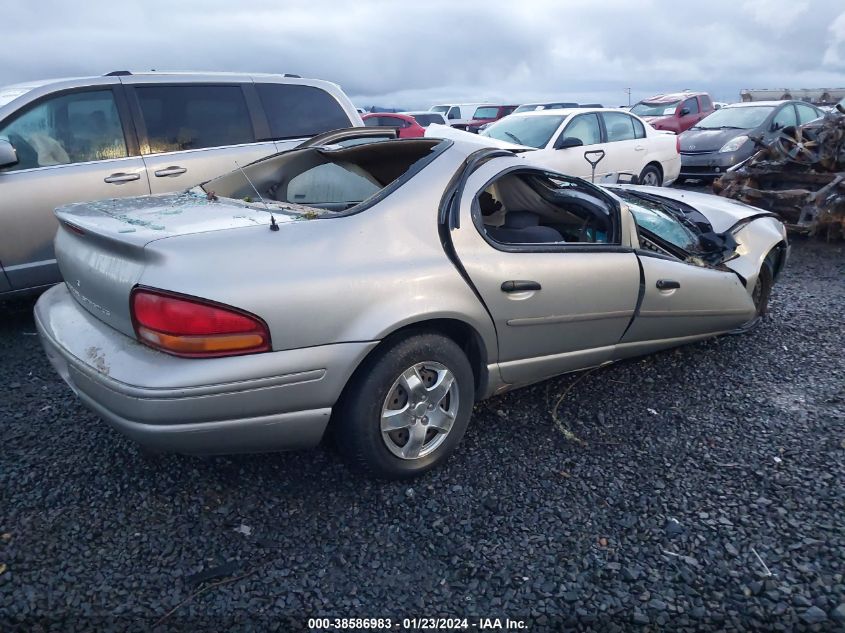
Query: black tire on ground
{"points": [[356, 420], [651, 172]]}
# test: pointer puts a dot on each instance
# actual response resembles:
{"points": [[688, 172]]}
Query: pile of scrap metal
{"points": [[800, 175]]}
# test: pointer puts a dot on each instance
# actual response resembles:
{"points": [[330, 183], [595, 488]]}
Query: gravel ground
{"points": [[703, 491]]}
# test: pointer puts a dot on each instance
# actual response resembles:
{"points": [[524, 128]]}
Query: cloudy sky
{"points": [[411, 54]]}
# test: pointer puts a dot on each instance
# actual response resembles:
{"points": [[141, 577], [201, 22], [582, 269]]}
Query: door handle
{"points": [[639, 148], [173, 170], [668, 284], [519, 285], [120, 177]]}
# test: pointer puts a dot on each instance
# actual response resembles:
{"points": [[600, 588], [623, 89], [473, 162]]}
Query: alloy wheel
{"points": [[419, 410]]}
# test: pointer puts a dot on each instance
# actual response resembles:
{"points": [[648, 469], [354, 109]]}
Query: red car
{"points": [[675, 112], [487, 114], [405, 124]]}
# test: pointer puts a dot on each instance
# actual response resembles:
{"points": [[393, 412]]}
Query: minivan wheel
{"points": [[651, 177], [407, 407]]}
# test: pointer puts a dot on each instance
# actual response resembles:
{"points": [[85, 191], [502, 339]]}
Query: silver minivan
{"points": [[131, 134]]}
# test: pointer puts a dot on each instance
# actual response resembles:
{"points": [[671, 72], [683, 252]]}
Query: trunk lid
{"points": [[100, 246]]}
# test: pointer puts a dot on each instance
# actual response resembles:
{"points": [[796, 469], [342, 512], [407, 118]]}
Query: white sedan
{"points": [[569, 140]]}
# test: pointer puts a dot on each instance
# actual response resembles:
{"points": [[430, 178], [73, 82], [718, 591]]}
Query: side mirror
{"points": [[568, 141], [776, 126], [684, 111], [8, 154]]}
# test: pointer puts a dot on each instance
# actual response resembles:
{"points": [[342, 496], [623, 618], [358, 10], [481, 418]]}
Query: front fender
{"points": [[756, 240]]}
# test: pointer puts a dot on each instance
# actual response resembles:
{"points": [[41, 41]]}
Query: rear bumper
{"points": [[263, 402]]}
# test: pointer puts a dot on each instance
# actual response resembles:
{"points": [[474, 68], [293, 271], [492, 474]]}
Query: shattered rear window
{"points": [[316, 180]]}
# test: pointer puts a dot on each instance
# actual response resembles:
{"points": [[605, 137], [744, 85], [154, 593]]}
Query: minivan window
{"points": [[193, 117], [295, 111], [706, 103], [72, 128]]}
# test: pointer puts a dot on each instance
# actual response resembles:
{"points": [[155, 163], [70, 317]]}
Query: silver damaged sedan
{"points": [[376, 288]]}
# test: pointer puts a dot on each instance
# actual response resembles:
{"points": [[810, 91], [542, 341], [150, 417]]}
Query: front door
{"points": [[683, 300], [556, 307], [573, 160], [71, 148]]}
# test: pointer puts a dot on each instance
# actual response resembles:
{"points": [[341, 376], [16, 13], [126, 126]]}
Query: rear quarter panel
{"points": [[341, 279], [662, 148]]}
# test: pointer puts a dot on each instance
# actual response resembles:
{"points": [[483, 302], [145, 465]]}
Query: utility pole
{"points": [[628, 90]]}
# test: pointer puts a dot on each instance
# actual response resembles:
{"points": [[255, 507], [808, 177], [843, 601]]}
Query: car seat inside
{"points": [[530, 207]]}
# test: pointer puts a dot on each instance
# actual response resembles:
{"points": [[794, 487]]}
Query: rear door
{"points": [[625, 152], [191, 132], [72, 146]]}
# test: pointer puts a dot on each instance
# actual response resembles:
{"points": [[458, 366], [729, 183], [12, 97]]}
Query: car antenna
{"points": [[273, 225]]}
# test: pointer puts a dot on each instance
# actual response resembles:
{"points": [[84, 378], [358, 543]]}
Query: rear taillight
{"points": [[187, 326], [678, 143]]}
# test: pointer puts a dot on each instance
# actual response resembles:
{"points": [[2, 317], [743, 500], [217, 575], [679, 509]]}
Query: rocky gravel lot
{"points": [[697, 489]]}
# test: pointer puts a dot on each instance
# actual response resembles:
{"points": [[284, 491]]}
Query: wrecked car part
{"points": [[799, 175]]}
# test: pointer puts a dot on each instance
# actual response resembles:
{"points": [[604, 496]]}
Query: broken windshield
{"points": [[740, 118], [665, 108], [529, 130]]}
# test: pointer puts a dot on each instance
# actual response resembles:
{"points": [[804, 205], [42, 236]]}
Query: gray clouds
{"points": [[416, 53]]}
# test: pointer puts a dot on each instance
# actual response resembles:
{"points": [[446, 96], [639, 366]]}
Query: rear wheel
{"points": [[651, 176], [407, 408]]}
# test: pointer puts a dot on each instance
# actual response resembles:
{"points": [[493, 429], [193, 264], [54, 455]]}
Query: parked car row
{"points": [[573, 140]]}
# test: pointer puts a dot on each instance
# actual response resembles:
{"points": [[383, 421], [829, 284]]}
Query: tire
{"points": [[651, 176], [763, 287], [432, 428]]}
